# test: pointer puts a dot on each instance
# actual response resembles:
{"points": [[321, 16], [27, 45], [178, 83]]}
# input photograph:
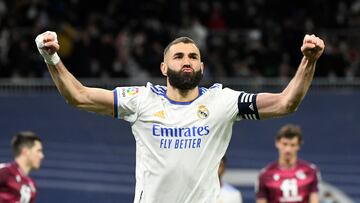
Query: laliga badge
{"points": [[202, 112]]}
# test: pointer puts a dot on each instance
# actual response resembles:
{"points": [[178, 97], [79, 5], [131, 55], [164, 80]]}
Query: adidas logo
{"points": [[160, 114], [251, 107]]}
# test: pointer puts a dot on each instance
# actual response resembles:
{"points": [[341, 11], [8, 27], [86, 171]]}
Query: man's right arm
{"points": [[90, 99]]}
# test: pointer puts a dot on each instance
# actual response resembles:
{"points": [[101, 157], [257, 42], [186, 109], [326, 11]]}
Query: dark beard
{"points": [[184, 81]]}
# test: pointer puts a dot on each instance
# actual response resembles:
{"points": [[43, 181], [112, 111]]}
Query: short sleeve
{"points": [[126, 102], [229, 99]]}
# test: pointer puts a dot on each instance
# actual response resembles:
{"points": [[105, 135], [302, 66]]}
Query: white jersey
{"points": [[229, 194], [179, 145]]}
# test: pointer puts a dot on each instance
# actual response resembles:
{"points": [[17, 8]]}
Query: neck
{"points": [[287, 163], [179, 95], [25, 169]]}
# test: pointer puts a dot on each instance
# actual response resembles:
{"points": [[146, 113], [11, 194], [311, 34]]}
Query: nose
{"points": [[186, 61], [288, 149]]}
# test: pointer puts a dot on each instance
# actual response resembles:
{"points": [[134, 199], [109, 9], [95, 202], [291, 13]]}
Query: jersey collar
{"points": [[184, 103]]}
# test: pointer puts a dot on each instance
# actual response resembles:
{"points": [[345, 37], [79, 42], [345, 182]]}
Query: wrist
{"points": [[52, 59], [309, 60]]}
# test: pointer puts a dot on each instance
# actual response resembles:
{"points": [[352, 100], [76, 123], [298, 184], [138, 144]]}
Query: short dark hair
{"points": [[23, 139], [185, 40], [290, 131]]}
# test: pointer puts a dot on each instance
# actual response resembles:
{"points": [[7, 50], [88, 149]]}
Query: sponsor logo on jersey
{"points": [[180, 138], [202, 112], [194, 131]]}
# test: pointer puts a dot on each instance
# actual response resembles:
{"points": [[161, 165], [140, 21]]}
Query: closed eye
{"points": [[178, 55], [193, 56]]}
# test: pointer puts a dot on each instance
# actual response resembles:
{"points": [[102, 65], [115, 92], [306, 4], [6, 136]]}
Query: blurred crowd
{"points": [[115, 38]]}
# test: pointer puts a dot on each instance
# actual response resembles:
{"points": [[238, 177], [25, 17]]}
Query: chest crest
{"points": [[202, 112]]}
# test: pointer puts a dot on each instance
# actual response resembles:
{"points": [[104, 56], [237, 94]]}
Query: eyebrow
{"points": [[181, 54], [178, 54]]}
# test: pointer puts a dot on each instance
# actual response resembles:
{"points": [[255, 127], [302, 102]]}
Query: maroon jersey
{"points": [[288, 185], [15, 187]]}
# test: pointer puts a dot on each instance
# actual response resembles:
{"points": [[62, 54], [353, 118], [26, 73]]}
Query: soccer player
{"points": [[15, 184], [181, 130], [288, 179], [228, 193]]}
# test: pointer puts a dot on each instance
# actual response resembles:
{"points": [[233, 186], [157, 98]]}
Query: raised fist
{"points": [[48, 45], [312, 47]]}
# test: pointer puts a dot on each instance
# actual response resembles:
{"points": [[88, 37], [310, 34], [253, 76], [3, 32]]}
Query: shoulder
{"points": [[269, 168], [308, 165], [5, 170], [6, 166], [3, 165], [218, 88], [309, 168], [158, 90]]}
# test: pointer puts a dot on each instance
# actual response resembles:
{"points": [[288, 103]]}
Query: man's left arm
{"points": [[271, 105]]}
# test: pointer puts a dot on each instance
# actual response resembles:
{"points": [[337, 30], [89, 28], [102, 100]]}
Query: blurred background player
{"points": [[15, 184], [228, 193], [288, 179]]}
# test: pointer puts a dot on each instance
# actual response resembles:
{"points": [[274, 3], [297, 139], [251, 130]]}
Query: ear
{"points": [[163, 68], [277, 144], [25, 151]]}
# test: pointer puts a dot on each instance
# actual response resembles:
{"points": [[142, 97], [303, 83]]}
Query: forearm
{"points": [[69, 87], [91, 99], [300, 84], [274, 105]]}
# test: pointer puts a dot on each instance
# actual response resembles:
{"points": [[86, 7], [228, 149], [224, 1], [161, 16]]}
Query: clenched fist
{"points": [[48, 45], [312, 47]]}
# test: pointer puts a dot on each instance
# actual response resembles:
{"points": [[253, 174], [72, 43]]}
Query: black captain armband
{"points": [[247, 106]]}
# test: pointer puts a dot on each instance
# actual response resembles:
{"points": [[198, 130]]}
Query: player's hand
{"points": [[312, 47], [48, 45]]}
